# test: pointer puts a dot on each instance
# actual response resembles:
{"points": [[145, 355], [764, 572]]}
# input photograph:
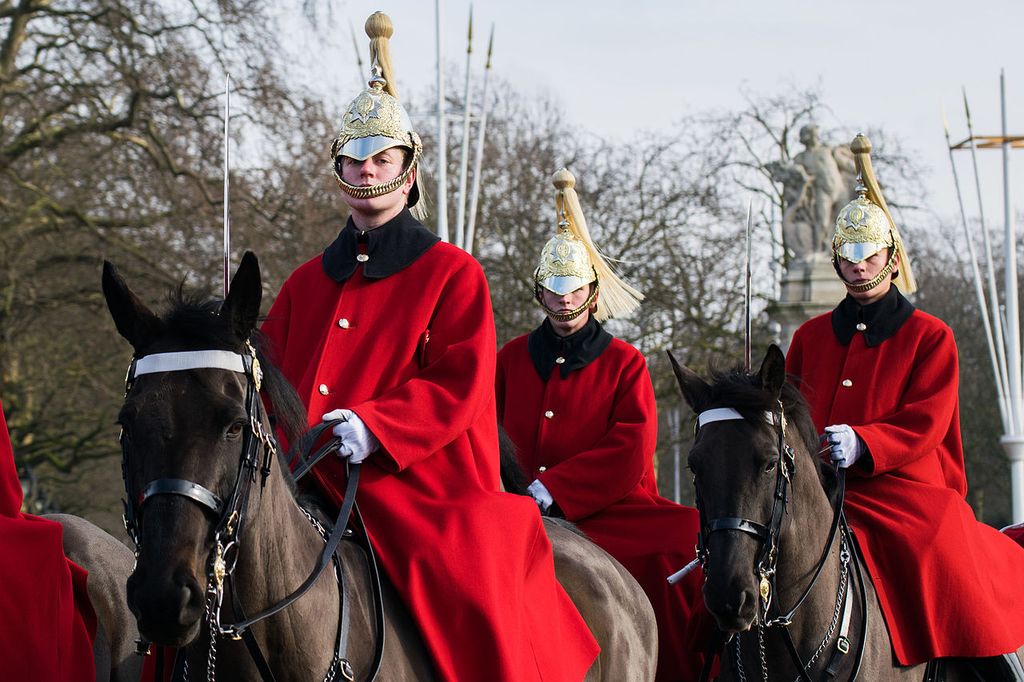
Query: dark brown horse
{"points": [[776, 561], [194, 436]]}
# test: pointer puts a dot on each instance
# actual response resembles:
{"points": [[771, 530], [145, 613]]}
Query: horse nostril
{"points": [[190, 598]]}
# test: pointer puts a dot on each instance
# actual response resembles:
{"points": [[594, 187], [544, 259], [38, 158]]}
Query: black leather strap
{"points": [[189, 489]]}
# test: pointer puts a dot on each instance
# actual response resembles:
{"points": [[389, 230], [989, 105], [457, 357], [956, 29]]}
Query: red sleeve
{"points": [[456, 384], [596, 478], [921, 418]]}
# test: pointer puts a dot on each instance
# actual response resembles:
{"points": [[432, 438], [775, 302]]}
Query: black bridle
{"points": [[230, 515], [768, 535]]}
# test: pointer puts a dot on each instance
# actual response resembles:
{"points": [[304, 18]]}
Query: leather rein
{"points": [[230, 515], [767, 558]]}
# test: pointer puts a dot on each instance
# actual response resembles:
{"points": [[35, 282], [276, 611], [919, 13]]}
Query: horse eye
{"points": [[235, 430], [771, 466]]}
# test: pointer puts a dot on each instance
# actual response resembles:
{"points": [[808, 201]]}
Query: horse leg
{"points": [[612, 604], [109, 563]]}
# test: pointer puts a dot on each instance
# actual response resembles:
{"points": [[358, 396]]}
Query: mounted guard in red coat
{"points": [[881, 380], [392, 330], [579, 406]]}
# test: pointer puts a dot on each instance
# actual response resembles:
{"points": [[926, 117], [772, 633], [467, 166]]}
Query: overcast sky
{"points": [[619, 68]]}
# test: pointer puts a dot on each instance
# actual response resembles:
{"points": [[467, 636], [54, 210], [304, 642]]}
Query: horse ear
{"points": [[242, 306], [695, 390], [773, 371], [134, 321]]}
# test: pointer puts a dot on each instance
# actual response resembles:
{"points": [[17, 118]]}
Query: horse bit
{"points": [[767, 559], [230, 516]]}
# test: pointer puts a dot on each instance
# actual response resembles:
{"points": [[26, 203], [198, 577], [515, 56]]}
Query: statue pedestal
{"points": [[810, 287]]}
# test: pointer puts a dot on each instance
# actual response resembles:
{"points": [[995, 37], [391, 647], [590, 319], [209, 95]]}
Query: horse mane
{"points": [[191, 320], [743, 391]]}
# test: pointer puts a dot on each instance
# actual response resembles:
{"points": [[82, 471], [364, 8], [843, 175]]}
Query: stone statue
{"points": [[816, 184]]}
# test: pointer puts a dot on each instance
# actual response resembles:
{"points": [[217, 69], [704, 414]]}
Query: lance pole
{"points": [[360, 74], [746, 293], [474, 194], [998, 370], [460, 219], [442, 138], [227, 161]]}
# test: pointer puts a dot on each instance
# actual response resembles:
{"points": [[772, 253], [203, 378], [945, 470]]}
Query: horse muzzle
{"points": [[168, 605]]}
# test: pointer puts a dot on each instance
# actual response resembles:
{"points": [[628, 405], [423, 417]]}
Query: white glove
{"points": [[357, 443], [540, 495], [846, 445]]}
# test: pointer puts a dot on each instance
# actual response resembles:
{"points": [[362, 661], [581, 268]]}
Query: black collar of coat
{"points": [[577, 350], [393, 246], [881, 319]]}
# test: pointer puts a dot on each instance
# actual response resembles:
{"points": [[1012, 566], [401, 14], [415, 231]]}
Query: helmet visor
{"points": [[564, 285], [362, 148], [855, 252]]}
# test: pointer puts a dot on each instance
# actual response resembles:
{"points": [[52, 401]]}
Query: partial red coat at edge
{"points": [[597, 452], [415, 361], [48, 623], [948, 585]]}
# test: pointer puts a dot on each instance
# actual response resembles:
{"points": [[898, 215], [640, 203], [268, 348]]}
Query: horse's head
{"points": [[753, 435], [187, 423]]}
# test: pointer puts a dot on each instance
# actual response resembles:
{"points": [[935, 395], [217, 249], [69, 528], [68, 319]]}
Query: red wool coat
{"points": [[948, 585], [412, 354], [48, 623], [590, 439]]}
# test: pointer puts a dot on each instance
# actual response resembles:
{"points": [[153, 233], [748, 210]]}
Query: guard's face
{"points": [[382, 167], [564, 303], [865, 271]]}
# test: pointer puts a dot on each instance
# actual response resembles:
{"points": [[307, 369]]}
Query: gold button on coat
{"points": [[343, 323], [847, 383], [549, 414], [541, 469], [362, 258], [323, 389]]}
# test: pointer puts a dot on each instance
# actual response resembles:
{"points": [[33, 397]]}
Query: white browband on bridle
{"points": [[724, 414], [196, 359]]}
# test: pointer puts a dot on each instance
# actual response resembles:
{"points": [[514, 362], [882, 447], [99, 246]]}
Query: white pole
{"points": [[442, 138], [979, 291], [227, 212], [474, 194], [1013, 443], [460, 220], [998, 319]]}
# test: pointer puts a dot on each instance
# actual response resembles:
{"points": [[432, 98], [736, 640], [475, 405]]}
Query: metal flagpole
{"points": [[998, 370], [442, 138], [474, 194], [1012, 442], [460, 219], [227, 213], [998, 319], [746, 295], [1006, 328]]}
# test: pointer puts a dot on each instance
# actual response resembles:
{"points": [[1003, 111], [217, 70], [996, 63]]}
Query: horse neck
{"points": [[806, 533], [279, 549]]}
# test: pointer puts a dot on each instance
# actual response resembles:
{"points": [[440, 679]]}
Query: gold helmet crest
{"points": [[569, 260], [375, 120], [865, 226]]}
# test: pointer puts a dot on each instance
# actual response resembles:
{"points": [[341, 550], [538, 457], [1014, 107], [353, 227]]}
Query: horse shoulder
{"points": [[610, 601], [109, 562]]}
